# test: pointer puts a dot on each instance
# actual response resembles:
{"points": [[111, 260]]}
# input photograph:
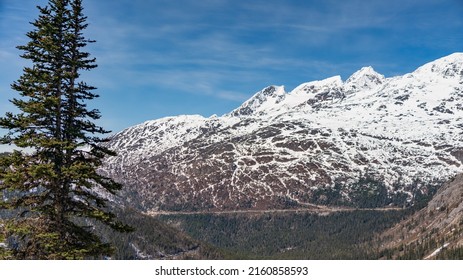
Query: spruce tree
{"points": [[51, 188]]}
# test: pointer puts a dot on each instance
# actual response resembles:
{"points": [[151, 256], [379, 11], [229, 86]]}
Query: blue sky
{"points": [[160, 58]]}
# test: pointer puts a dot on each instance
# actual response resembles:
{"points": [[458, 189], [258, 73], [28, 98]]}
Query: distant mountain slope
{"points": [[434, 231], [368, 141]]}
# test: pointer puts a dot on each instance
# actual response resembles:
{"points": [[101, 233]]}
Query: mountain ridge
{"points": [[318, 143]]}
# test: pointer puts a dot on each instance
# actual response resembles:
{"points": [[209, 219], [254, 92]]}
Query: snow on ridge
{"points": [[402, 128], [330, 82], [151, 137], [364, 79], [447, 66], [369, 86], [267, 98]]}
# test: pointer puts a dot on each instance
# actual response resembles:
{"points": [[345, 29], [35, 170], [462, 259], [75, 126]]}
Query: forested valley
{"points": [[341, 235]]}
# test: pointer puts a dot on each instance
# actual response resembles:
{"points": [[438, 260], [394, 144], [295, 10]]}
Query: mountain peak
{"points": [[262, 100], [364, 79], [315, 86], [447, 66]]}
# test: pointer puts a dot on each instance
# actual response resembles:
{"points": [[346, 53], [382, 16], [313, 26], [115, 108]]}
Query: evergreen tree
{"points": [[54, 190]]}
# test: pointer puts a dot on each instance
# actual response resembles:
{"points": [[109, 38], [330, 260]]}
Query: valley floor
{"points": [[292, 234]]}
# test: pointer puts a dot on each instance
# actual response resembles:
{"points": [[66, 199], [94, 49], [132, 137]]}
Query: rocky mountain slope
{"points": [[367, 139], [431, 231]]}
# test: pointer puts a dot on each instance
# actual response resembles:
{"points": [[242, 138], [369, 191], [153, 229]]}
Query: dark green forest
{"points": [[341, 235], [153, 239]]}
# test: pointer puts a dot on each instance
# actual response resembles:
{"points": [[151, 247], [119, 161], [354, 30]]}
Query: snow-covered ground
{"points": [[437, 251]]}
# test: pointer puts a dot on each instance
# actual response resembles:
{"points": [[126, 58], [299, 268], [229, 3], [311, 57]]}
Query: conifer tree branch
{"points": [[56, 183]]}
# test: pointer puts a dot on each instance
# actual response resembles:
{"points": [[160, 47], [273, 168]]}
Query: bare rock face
{"points": [[370, 141], [446, 207]]}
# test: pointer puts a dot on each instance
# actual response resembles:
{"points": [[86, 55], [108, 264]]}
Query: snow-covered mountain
{"points": [[369, 138]]}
